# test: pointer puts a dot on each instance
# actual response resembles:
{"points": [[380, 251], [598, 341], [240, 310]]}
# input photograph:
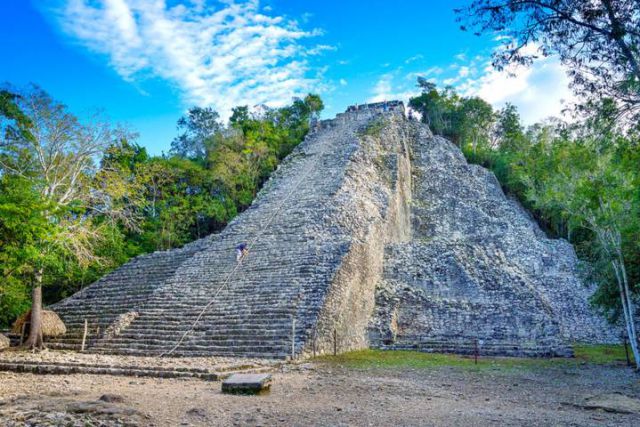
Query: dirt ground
{"points": [[328, 394]]}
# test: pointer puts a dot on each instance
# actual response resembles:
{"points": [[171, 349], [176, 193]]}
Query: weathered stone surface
{"points": [[121, 323], [478, 269], [65, 362], [316, 233], [372, 232], [4, 342], [246, 383], [112, 398], [613, 402], [197, 412], [95, 407]]}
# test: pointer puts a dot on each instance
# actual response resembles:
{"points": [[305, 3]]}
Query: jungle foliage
{"points": [[79, 198]]}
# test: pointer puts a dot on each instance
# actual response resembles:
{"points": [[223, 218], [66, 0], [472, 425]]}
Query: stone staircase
{"points": [[299, 238], [117, 293]]}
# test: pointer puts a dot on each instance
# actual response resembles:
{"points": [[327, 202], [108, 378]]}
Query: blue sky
{"points": [[144, 62]]}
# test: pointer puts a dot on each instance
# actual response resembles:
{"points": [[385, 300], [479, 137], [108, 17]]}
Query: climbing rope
{"points": [[239, 263]]}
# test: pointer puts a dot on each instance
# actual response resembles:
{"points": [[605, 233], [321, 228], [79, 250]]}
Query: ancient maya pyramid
{"points": [[372, 233]]}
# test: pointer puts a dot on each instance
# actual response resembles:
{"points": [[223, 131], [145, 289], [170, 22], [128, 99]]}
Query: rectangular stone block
{"points": [[247, 384]]}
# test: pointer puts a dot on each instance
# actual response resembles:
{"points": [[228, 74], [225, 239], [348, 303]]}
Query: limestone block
{"points": [[247, 384]]}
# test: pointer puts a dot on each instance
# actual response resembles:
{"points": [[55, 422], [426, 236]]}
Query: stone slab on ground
{"points": [[613, 402], [246, 383]]}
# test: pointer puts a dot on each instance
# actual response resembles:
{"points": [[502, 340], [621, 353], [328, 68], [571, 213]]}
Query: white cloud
{"points": [[539, 91], [385, 90], [414, 58], [317, 50], [343, 82], [429, 72], [225, 56], [382, 89]]}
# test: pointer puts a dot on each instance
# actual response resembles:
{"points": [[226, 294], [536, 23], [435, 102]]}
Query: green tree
{"points": [[23, 228], [197, 127], [475, 123], [432, 106], [599, 42], [56, 158], [465, 121], [599, 196]]}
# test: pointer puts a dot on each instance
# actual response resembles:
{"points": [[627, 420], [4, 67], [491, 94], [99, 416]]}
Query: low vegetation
{"points": [[371, 359], [373, 128]]}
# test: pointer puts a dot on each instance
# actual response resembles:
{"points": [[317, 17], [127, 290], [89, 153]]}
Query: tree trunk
{"points": [[631, 308], [628, 315], [617, 33], [35, 329]]}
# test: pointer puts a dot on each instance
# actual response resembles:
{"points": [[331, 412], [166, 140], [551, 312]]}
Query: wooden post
{"points": [[335, 343], [313, 342], [293, 338], [476, 350], [626, 350], [24, 328], [84, 335]]}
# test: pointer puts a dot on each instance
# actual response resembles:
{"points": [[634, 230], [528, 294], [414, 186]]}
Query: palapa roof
{"points": [[52, 325]]}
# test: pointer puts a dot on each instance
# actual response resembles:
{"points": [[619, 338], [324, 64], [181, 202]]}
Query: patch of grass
{"points": [[373, 128], [367, 359], [605, 354], [394, 359]]}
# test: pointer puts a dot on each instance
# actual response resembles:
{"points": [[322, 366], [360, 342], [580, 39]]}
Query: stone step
{"points": [[134, 371], [220, 337], [298, 243], [207, 319], [486, 349], [233, 295], [237, 330], [189, 353], [176, 313]]}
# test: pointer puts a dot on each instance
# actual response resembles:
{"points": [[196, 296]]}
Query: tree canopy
{"points": [[79, 198], [598, 41]]}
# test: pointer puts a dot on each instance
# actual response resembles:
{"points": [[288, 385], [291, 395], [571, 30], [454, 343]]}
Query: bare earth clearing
{"points": [[336, 393]]}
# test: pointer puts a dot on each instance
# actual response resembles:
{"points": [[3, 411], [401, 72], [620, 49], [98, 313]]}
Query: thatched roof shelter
{"points": [[4, 342], [52, 325]]}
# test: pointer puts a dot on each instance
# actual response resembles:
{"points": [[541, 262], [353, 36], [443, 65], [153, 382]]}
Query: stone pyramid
{"points": [[373, 232]]}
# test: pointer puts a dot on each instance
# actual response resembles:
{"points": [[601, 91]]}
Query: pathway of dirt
{"points": [[321, 394]]}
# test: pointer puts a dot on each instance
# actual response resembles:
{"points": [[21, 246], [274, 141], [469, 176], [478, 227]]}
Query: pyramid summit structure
{"points": [[372, 233]]}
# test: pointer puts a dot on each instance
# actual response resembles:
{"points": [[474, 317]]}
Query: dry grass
{"points": [[52, 325], [584, 354]]}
